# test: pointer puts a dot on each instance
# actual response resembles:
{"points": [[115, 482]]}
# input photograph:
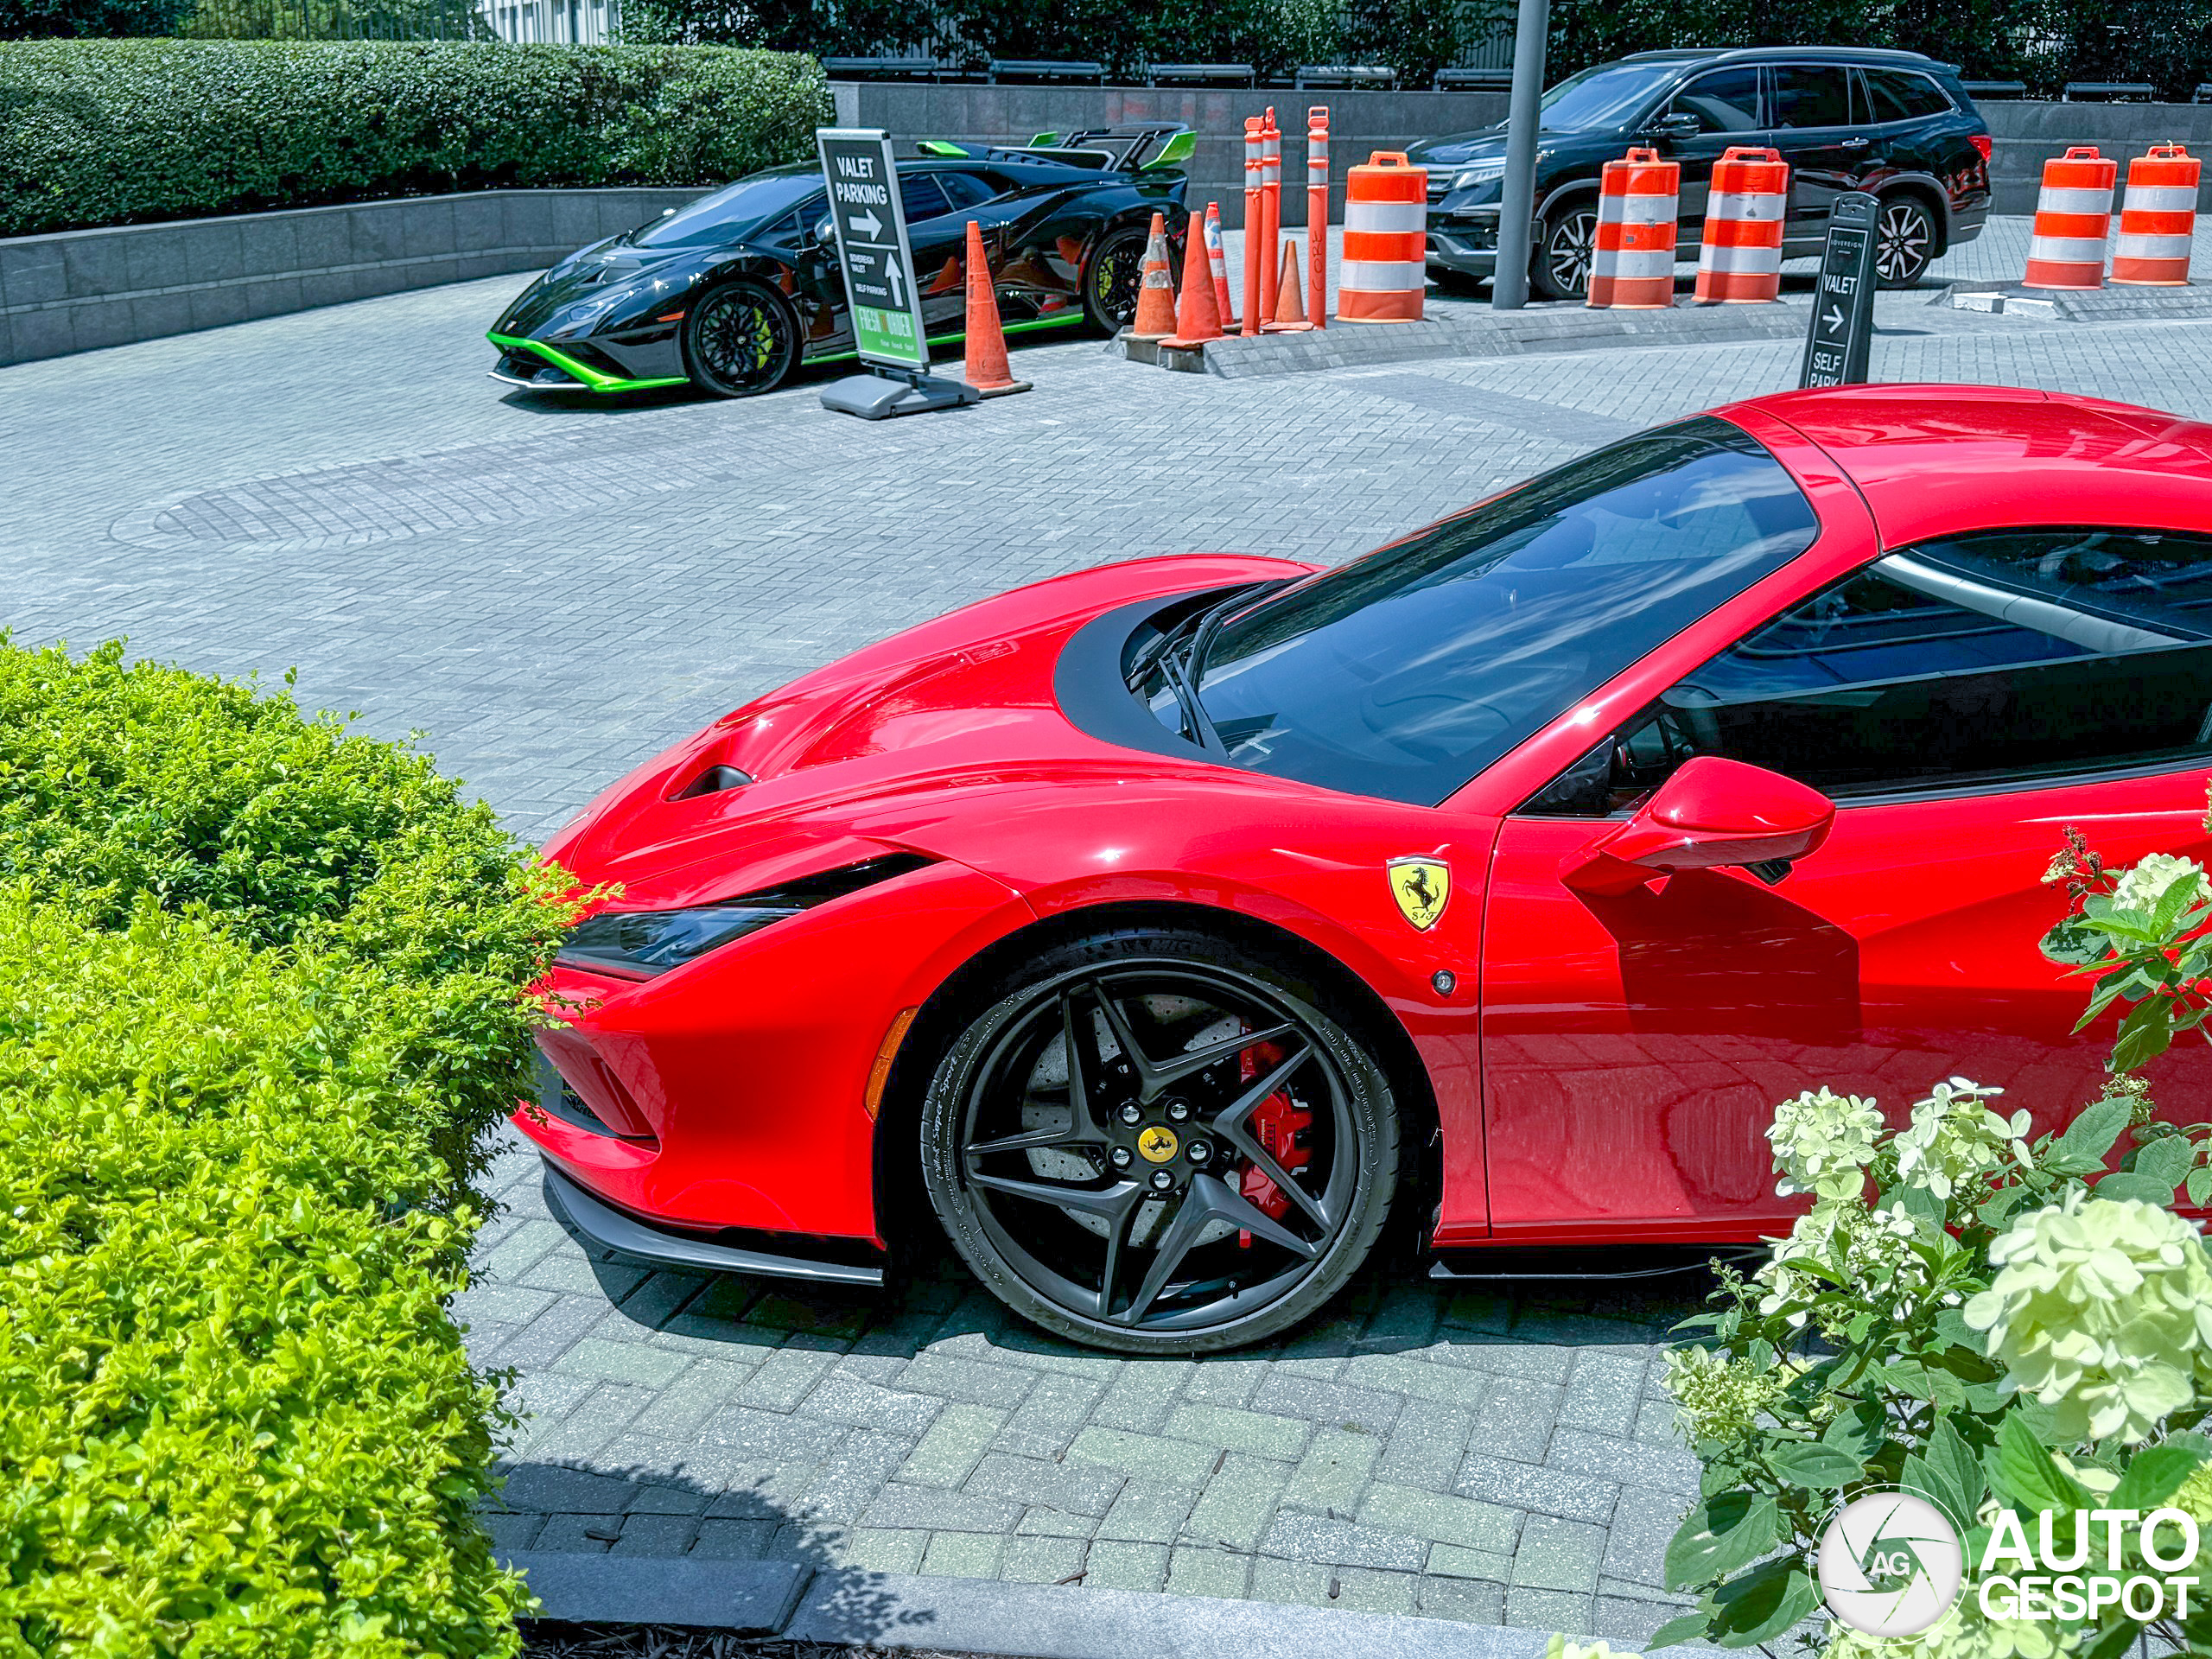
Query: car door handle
{"points": [[1857, 144]]}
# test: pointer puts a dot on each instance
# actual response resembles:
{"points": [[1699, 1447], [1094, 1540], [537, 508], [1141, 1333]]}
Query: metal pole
{"points": [[1508, 288]]}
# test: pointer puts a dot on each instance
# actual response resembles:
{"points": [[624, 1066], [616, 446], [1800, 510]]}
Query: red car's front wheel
{"points": [[1156, 1142]]}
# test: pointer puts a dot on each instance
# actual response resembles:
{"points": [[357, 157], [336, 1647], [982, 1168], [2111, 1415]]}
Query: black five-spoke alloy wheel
{"points": [[741, 338], [1159, 1144], [1109, 281], [1904, 241], [1570, 244]]}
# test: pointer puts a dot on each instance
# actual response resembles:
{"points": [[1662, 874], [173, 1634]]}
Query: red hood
{"points": [[939, 718]]}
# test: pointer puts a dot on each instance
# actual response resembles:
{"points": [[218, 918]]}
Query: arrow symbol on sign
{"points": [[1834, 320], [867, 224], [894, 274]]}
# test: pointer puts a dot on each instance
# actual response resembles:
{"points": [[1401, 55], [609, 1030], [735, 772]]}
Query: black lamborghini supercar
{"points": [[734, 291]]}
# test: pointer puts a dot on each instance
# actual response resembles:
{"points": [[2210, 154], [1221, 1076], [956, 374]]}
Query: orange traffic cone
{"points": [[1290, 305], [1156, 293], [985, 368], [1197, 318]]}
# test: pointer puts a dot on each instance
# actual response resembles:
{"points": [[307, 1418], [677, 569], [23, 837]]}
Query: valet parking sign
{"points": [[1890, 1564], [871, 247]]}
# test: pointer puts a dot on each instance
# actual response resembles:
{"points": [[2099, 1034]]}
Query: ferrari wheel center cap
{"points": [[1158, 1144]]}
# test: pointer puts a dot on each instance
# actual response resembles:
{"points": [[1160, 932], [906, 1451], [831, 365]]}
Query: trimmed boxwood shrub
{"points": [[262, 987], [107, 132]]}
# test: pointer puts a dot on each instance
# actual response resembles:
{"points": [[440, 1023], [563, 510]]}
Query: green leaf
{"points": [[1724, 1533], [1810, 1463], [1677, 1630], [1923, 1206], [2131, 1183], [1953, 1330], [2113, 1640], [1953, 1462], [2152, 1476], [2166, 1158], [2178, 898], [2144, 1035], [2076, 943], [2092, 1133], [1763, 1604], [2026, 1473], [1857, 1431]]}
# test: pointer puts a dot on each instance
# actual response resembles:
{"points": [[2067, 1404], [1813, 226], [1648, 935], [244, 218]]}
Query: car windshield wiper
{"points": [[1180, 655]]}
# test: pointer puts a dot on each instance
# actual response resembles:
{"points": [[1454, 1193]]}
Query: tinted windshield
{"points": [[720, 217], [1406, 673], [1605, 96]]}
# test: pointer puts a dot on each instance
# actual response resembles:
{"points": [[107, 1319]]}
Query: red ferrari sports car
{"points": [[1166, 929]]}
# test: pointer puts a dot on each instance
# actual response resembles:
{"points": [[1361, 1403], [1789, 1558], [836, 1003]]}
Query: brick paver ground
{"points": [[551, 590]]}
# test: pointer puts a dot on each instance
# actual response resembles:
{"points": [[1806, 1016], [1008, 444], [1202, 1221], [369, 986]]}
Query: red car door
{"points": [[1963, 701]]}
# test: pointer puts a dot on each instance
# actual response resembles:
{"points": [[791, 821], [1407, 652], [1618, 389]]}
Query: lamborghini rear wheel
{"points": [[1156, 1141], [1110, 279], [741, 339]]}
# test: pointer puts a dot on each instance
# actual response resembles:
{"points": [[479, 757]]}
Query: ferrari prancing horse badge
{"points": [[1421, 886]]}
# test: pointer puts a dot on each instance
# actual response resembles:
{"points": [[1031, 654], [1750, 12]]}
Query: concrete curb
{"points": [[898, 1610], [1484, 334], [2082, 305]]}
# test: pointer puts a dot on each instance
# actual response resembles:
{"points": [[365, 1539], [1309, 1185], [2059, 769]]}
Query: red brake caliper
{"points": [[1275, 1124]]}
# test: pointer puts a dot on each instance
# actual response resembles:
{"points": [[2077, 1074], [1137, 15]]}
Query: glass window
{"points": [[1980, 659], [728, 213], [1604, 97], [1812, 95], [966, 190], [1404, 673], [1727, 100], [922, 197], [1897, 95]]}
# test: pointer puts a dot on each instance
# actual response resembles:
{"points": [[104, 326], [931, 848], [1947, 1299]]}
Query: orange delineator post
{"points": [[2072, 219], [1740, 255], [1217, 261], [1252, 165], [1633, 264], [1195, 321], [1270, 209], [2157, 220], [1317, 215], [1386, 241]]}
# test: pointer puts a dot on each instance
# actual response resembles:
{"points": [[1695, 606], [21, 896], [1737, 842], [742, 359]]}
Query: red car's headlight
{"points": [[639, 943]]}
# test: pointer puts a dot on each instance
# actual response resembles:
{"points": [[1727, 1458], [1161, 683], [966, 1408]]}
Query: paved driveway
{"points": [[551, 591]]}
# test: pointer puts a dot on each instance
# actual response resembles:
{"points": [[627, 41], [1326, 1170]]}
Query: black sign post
{"points": [[1842, 329], [884, 301]]}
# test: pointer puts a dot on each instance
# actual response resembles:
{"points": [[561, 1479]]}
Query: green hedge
{"points": [[261, 990], [105, 132]]}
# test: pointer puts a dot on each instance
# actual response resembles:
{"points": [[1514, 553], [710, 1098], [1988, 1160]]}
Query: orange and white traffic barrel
{"points": [[1385, 242], [1633, 265], [1739, 258], [2157, 220], [2072, 219]]}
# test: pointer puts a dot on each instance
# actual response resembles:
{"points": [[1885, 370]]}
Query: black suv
{"points": [[1895, 123]]}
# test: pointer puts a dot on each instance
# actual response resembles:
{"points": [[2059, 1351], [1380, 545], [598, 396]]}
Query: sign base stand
{"points": [[879, 396]]}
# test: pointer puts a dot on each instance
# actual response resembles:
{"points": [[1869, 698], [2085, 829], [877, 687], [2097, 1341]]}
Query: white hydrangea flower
{"points": [[1965, 1635], [1561, 1647], [2142, 887], [2102, 1309], [1722, 1398], [1822, 1143], [1870, 1248], [1953, 1137]]}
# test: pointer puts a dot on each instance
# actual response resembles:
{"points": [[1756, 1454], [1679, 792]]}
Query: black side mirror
{"points": [[825, 232], [1676, 126]]}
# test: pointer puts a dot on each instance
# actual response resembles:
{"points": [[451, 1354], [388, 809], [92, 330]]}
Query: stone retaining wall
{"points": [[77, 290]]}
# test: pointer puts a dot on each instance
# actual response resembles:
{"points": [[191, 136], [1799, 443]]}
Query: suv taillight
{"points": [[1983, 144]]}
